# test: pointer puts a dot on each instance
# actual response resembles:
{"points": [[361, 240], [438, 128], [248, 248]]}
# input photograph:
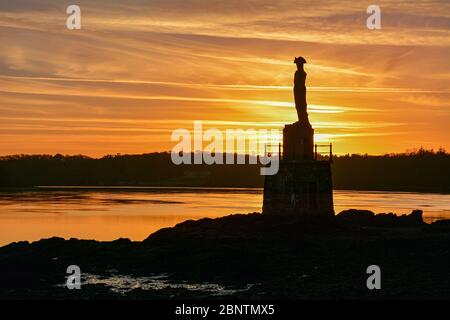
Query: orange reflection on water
{"points": [[135, 213], [96, 227]]}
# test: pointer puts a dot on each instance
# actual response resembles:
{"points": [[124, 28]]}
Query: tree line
{"points": [[422, 171]]}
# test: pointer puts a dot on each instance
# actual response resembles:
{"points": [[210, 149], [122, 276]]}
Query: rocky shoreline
{"points": [[243, 256]]}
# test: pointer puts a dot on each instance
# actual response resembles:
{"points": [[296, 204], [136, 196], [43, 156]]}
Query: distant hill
{"points": [[422, 171]]}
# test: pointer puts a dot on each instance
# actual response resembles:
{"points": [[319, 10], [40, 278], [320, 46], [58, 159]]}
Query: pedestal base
{"points": [[300, 188]]}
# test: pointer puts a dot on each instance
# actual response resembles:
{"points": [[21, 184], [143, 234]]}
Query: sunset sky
{"points": [[139, 69]]}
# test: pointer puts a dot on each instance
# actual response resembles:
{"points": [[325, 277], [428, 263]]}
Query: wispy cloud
{"points": [[140, 68]]}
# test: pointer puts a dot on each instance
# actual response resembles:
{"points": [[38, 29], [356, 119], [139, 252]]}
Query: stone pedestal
{"points": [[300, 188]]}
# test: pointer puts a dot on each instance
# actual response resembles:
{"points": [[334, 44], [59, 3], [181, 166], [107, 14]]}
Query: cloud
{"points": [[229, 62]]}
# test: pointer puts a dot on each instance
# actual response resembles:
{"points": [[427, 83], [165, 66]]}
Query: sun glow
{"points": [[134, 73]]}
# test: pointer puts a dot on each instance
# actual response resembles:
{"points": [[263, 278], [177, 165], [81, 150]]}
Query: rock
{"points": [[234, 251], [368, 218], [355, 215]]}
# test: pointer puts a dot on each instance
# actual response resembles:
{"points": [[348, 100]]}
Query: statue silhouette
{"points": [[300, 89]]}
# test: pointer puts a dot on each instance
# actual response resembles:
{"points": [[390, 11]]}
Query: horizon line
{"points": [[406, 152]]}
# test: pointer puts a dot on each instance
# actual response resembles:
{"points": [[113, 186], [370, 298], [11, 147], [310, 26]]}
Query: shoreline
{"points": [[243, 256], [190, 188]]}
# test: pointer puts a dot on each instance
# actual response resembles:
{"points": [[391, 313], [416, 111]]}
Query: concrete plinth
{"points": [[300, 188]]}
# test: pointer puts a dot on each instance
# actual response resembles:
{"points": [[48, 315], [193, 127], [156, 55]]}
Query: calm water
{"points": [[107, 214]]}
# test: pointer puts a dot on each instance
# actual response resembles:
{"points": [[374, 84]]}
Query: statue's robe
{"points": [[300, 94]]}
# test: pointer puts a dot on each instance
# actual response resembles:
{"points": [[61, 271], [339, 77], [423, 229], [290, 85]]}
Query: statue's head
{"points": [[299, 61]]}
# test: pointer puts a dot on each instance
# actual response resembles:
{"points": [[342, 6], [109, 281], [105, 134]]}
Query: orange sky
{"points": [[139, 69]]}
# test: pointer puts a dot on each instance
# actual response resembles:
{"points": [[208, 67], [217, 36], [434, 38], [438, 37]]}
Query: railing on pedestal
{"points": [[276, 148], [322, 152]]}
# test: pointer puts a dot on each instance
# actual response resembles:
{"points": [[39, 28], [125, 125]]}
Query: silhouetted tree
{"points": [[421, 170]]}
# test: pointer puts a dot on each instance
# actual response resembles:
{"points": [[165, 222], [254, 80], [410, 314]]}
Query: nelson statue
{"points": [[300, 90]]}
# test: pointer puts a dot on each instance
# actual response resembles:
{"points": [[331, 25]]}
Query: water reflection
{"points": [[111, 213], [124, 283]]}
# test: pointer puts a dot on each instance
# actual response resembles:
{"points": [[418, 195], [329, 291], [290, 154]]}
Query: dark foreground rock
{"points": [[243, 256]]}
